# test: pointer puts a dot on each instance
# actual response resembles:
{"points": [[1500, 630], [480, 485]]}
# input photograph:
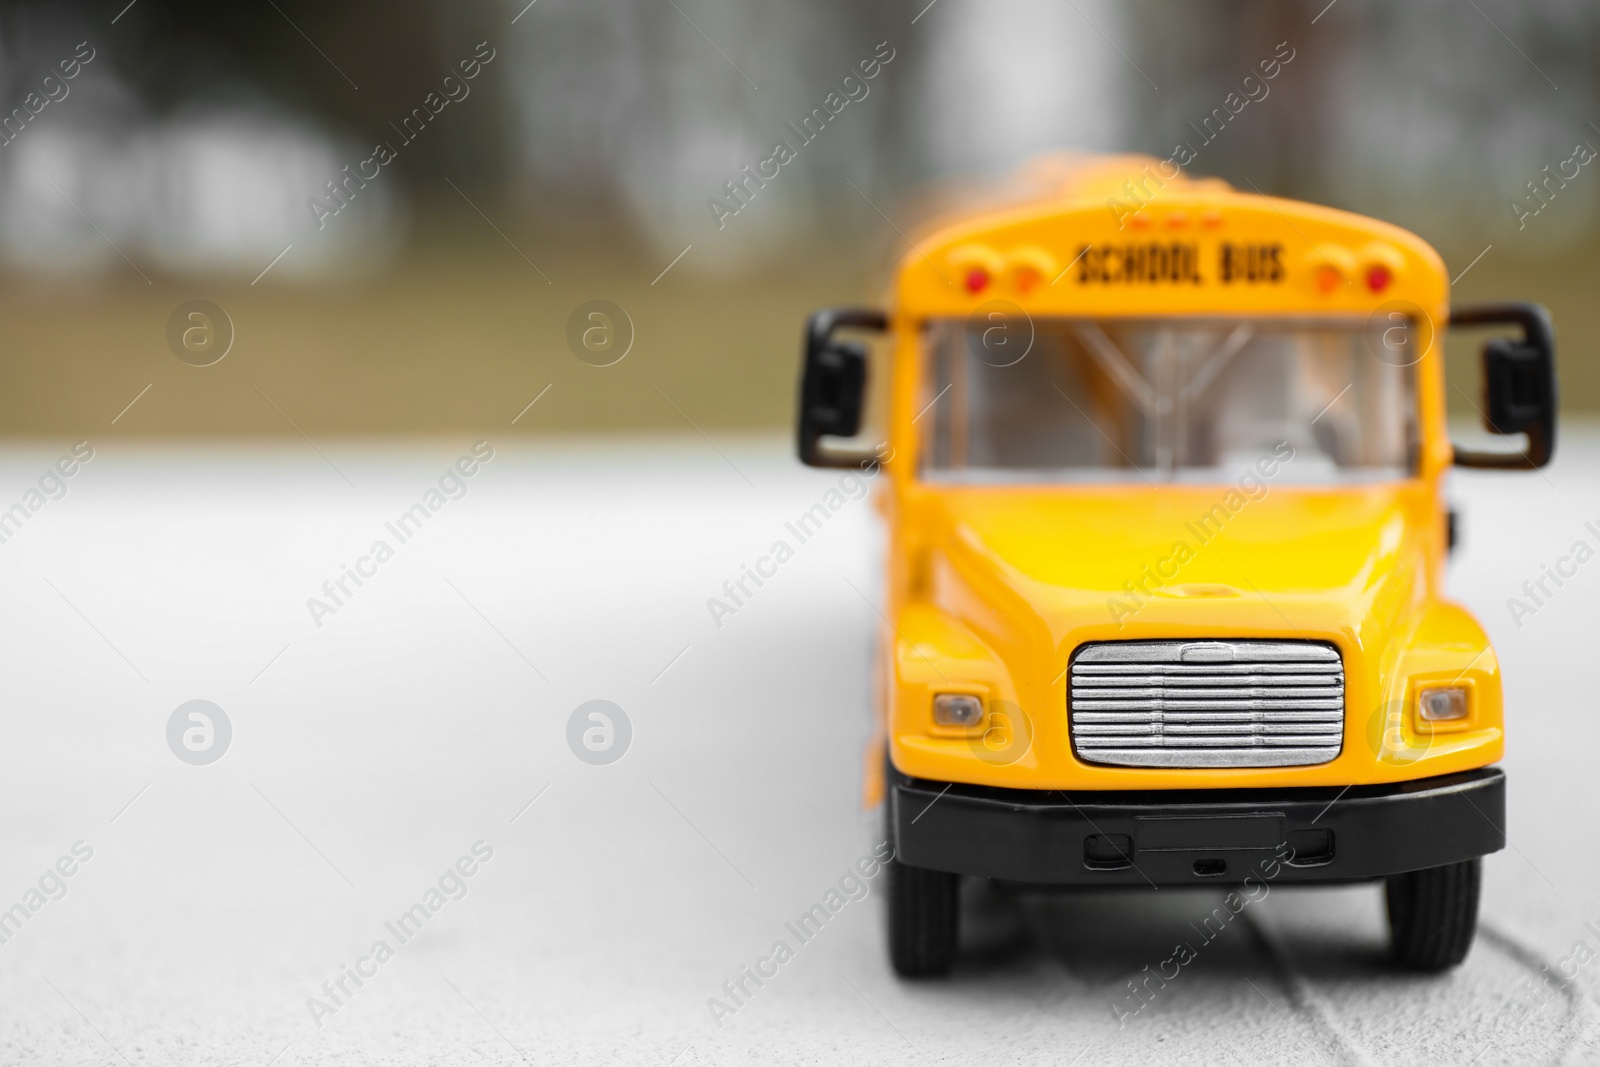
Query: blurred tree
{"points": [[353, 67]]}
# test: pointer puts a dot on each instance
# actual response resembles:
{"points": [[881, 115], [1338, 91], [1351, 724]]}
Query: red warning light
{"points": [[977, 280], [1379, 277]]}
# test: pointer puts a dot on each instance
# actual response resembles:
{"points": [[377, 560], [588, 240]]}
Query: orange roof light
{"points": [[1028, 266], [1332, 266]]}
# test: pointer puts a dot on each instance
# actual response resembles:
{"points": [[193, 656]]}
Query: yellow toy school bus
{"points": [[1164, 593]]}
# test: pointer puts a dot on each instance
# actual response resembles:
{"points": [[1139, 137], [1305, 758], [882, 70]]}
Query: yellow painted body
{"points": [[991, 588]]}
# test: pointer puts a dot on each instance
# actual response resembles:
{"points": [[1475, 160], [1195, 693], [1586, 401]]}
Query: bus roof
{"points": [[1133, 236]]}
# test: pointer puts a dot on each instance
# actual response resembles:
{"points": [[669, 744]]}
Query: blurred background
{"points": [[540, 156]]}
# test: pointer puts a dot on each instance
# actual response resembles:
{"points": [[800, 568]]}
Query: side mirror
{"points": [[1519, 384], [833, 385]]}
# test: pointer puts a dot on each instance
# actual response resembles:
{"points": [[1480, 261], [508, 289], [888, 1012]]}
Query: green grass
{"points": [[460, 337]]}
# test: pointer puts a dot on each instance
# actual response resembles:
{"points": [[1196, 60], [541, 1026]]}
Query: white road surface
{"points": [[427, 716]]}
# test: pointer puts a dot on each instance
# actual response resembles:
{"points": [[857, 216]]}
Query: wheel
{"points": [[924, 919], [1433, 914]]}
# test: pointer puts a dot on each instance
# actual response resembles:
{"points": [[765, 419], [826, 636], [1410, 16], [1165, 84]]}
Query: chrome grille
{"points": [[1207, 703]]}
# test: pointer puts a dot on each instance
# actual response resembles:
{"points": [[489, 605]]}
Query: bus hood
{"points": [[1106, 563]]}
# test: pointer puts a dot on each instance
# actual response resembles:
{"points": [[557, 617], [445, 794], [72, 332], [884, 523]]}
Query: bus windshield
{"points": [[1184, 400]]}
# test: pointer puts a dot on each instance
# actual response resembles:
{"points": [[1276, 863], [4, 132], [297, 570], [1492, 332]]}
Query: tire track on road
{"points": [[1325, 1021], [1529, 958], [1303, 998]]}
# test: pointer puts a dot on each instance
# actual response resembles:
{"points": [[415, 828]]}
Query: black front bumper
{"points": [[1194, 836]]}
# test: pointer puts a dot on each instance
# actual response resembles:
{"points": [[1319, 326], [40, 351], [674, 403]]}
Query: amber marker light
{"points": [[1026, 267]]}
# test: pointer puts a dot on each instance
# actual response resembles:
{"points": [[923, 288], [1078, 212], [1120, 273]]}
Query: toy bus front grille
{"points": [[1207, 703]]}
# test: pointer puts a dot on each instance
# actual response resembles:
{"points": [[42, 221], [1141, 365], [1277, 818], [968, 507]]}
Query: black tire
{"points": [[1433, 915], [924, 920]]}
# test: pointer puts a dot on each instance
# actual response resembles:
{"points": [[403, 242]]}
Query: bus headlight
{"points": [[1444, 703], [957, 709]]}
